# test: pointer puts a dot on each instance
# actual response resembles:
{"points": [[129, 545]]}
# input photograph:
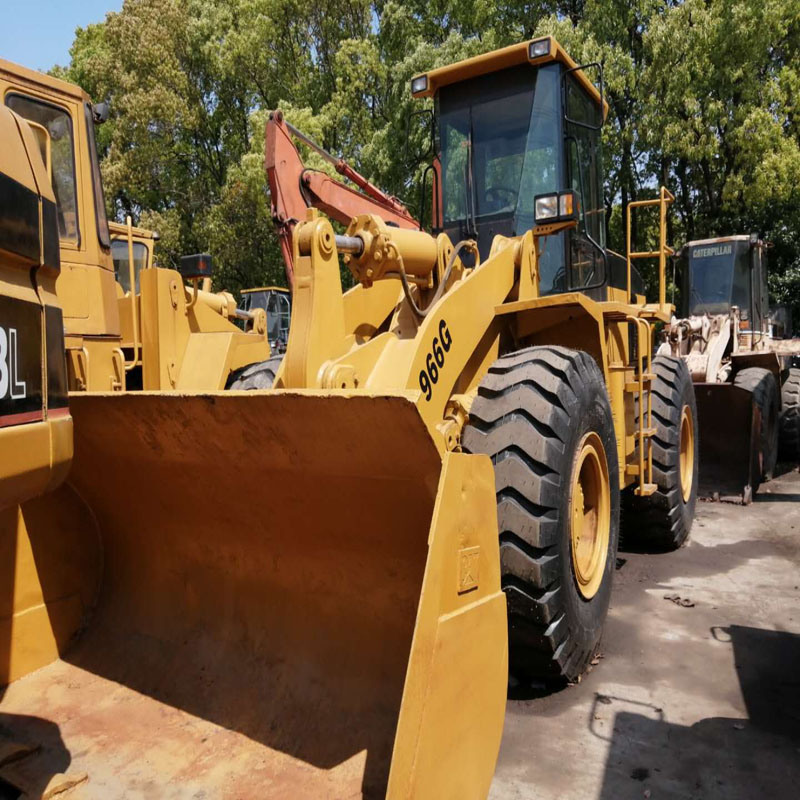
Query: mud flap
{"points": [[728, 423], [302, 568]]}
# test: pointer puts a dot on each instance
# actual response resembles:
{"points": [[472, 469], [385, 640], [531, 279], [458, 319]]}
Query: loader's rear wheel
{"points": [[543, 416], [663, 520], [762, 385], [256, 376], [789, 437]]}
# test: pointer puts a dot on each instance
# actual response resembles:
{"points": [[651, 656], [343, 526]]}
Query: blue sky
{"points": [[39, 33]]}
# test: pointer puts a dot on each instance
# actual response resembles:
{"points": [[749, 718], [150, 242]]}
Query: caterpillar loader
{"points": [[354, 640], [277, 304], [747, 387], [166, 334]]}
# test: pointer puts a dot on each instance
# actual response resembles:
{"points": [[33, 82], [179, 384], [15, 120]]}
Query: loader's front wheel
{"points": [[762, 385], [543, 416], [789, 439], [256, 376], [663, 520]]}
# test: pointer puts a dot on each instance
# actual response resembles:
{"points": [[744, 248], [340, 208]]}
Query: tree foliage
{"points": [[703, 97]]}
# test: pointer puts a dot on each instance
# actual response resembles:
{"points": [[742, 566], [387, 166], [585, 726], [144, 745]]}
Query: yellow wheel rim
{"points": [[590, 514], [687, 453]]}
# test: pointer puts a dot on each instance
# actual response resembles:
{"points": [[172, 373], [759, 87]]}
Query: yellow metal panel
{"points": [[49, 571], [15, 161], [451, 721], [205, 361], [24, 461]]}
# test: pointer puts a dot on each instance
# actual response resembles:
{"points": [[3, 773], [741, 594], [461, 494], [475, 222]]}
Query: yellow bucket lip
{"points": [[410, 395]]}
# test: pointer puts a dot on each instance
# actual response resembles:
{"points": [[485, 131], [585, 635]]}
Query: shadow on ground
{"points": [[716, 758]]}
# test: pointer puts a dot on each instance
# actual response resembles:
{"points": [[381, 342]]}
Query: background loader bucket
{"points": [[298, 598], [727, 425]]}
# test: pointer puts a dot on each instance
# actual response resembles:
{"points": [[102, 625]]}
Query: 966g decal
{"points": [[435, 360]]}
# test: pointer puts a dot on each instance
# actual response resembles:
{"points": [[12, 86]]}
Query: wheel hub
{"points": [[590, 514], [687, 453]]}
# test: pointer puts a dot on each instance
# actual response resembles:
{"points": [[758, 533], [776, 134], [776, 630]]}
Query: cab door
{"points": [[35, 426]]}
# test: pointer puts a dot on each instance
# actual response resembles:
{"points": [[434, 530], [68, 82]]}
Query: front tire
{"points": [[256, 376], [544, 417], [789, 436], [764, 389], [663, 520]]}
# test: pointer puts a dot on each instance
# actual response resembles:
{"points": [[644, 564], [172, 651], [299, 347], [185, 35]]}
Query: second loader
{"points": [[746, 381], [453, 439]]}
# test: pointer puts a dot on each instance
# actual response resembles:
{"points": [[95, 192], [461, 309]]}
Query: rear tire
{"points": [[762, 385], [544, 417], [663, 520], [256, 376], [789, 436]]}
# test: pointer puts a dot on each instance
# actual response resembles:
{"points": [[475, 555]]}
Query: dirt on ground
{"points": [[696, 694]]}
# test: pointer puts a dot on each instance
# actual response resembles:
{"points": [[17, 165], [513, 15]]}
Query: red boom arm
{"points": [[293, 189]]}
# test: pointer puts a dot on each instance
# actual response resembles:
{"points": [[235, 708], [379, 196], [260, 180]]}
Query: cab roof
{"points": [[497, 60], [16, 73], [265, 289], [120, 229]]}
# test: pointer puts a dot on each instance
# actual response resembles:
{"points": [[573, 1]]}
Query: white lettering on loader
{"points": [[9, 366]]}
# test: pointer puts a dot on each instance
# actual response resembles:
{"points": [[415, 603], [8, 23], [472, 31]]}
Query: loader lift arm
{"points": [[293, 188]]}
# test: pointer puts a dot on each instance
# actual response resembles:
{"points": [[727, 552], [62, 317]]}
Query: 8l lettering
{"points": [[434, 360], [10, 384]]}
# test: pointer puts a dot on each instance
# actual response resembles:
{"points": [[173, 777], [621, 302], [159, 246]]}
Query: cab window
{"points": [[587, 241], [119, 254], [62, 152]]}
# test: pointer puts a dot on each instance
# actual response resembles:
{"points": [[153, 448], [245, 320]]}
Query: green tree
{"points": [[703, 97]]}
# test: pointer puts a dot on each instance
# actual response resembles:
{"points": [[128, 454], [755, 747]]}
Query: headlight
{"points": [[419, 84], [539, 48], [546, 208], [555, 207]]}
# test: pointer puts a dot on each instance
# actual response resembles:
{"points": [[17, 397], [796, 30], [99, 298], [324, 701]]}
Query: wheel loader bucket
{"points": [[299, 597], [728, 424]]}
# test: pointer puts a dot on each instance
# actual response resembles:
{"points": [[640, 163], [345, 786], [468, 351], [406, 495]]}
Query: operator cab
{"points": [[507, 136], [276, 301], [717, 274]]}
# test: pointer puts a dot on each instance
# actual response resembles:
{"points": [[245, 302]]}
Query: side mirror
{"points": [[196, 267], [100, 112]]}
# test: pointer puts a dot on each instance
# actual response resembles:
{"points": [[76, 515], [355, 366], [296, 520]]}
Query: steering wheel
{"points": [[511, 195]]}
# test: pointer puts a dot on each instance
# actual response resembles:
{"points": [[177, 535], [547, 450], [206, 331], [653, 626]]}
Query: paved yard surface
{"points": [[696, 702]]}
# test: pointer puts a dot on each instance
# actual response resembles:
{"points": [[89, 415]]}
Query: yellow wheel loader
{"points": [[164, 335], [277, 303], [352, 639], [745, 378]]}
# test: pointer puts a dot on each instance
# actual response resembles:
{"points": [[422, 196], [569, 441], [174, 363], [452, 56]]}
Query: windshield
{"points": [[719, 277], [276, 304], [119, 255], [500, 144]]}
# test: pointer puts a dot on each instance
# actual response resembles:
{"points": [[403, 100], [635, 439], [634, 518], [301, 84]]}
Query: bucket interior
{"points": [[246, 570]]}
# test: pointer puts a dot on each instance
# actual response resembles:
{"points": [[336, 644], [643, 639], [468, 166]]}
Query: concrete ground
{"points": [[695, 697]]}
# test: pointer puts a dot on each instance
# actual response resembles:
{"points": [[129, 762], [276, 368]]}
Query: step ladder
{"points": [[663, 201], [641, 389]]}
